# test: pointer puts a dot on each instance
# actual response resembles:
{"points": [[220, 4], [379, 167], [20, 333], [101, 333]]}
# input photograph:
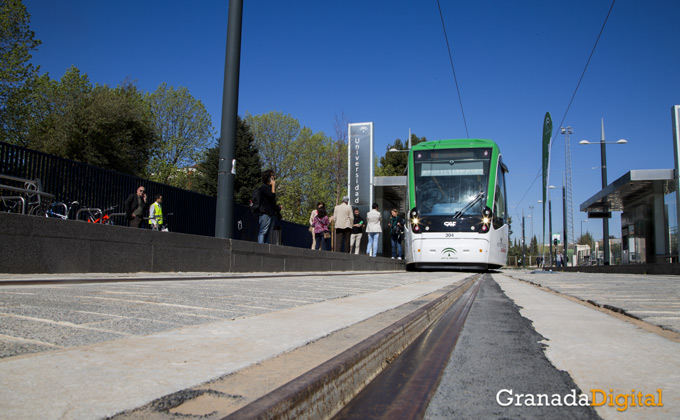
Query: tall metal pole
{"points": [[605, 221], [226, 170], [524, 244], [564, 224], [550, 228]]}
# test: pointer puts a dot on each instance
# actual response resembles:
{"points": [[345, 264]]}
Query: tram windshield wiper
{"points": [[469, 204]]}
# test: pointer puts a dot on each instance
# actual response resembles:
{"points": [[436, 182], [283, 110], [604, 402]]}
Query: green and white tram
{"points": [[458, 215]]}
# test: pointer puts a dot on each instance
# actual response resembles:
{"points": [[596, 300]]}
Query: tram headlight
{"points": [[487, 217], [415, 220]]}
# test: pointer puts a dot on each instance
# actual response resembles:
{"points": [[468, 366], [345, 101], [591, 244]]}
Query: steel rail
{"points": [[323, 391], [405, 389]]}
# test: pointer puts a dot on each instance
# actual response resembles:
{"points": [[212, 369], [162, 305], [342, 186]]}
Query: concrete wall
{"points": [[659, 268], [31, 245]]}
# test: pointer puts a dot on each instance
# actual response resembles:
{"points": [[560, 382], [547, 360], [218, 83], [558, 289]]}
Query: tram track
{"points": [[367, 380]]}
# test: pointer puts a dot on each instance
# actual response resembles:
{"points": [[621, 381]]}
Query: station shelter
{"points": [[649, 225], [389, 192]]}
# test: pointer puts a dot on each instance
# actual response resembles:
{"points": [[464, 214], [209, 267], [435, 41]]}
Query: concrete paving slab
{"points": [[603, 353], [652, 298], [103, 379]]}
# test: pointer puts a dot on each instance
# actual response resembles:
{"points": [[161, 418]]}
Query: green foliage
{"points": [[102, 126], [275, 135], [394, 163], [16, 72], [533, 246], [586, 239], [309, 181], [310, 167], [184, 131], [247, 167]]}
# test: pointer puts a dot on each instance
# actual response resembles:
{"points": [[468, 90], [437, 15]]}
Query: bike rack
{"points": [[18, 198]]}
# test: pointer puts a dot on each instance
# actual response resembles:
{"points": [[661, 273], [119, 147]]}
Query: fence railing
{"points": [[93, 187]]}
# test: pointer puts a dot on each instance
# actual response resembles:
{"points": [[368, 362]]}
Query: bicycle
{"points": [[60, 210], [104, 217], [96, 215]]}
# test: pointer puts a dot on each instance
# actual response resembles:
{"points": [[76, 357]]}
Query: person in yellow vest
{"points": [[156, 214]]}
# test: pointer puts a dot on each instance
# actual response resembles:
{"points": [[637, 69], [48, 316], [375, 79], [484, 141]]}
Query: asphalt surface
{"points": [[500, 350]]}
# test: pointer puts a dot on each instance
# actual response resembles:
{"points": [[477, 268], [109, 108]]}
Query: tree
{"points": [[102, 126], [586, 239], [275, 135], [533, 246], [394, 163], [16, 72], [311, 180], [248, 167], [184, 131], [338, 155]]}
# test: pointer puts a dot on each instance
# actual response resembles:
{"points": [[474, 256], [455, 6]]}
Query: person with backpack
{"points": [[264, 203], [396, 234]]}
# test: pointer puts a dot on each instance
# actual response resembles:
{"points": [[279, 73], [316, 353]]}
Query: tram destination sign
{"points": [[360, 165]]}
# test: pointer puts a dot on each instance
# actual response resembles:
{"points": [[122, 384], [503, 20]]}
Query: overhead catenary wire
{"points": [[453, 70], [583, 73]]}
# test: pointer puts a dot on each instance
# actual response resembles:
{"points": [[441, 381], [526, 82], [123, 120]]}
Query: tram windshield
{"points": [[451, 181]]}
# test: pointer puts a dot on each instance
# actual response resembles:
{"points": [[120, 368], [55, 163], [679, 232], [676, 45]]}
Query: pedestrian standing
{"points": [[396, 234], [135, 207], [267, 206], [343, 217], [311, 221], [321, 224], [156, 214], [357, 232], [373, 229]]}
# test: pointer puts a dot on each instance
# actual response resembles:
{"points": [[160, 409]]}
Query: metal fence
{"points": [[192, 213]]}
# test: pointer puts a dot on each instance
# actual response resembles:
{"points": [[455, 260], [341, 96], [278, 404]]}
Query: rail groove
{"points": [[325, 390]]}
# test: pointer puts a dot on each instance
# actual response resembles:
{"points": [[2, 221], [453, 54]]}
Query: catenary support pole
{"points": [[225, 175]]}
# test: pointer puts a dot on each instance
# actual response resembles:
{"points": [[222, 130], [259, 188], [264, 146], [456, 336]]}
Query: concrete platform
{"points": [[228, 326], [601, 352]]}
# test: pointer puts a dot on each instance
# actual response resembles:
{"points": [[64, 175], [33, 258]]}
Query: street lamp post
{"points": [[564, 226], [524, 245], [551, 187], [603, 157]]}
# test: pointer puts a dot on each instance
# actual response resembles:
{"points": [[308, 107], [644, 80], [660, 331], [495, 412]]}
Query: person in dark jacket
{"points": [[268, 208], [135, 207], [357, 232], [397, 224]]}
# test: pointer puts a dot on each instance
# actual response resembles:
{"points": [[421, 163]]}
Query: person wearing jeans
{"points": [[396, 234], [266, 226], [267, 206], [373, 229]]}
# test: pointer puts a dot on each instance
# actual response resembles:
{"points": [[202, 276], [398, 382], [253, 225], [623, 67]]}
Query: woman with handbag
{"points": [[311, 222], [321, 233]]}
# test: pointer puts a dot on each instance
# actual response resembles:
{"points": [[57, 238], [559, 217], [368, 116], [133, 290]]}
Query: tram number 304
{"points": [[449, 235]]}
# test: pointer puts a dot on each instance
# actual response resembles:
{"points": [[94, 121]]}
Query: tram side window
{"points": [[499, 204]]}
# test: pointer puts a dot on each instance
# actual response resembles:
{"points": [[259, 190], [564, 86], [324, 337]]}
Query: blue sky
{"points": [[387, 62]]}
